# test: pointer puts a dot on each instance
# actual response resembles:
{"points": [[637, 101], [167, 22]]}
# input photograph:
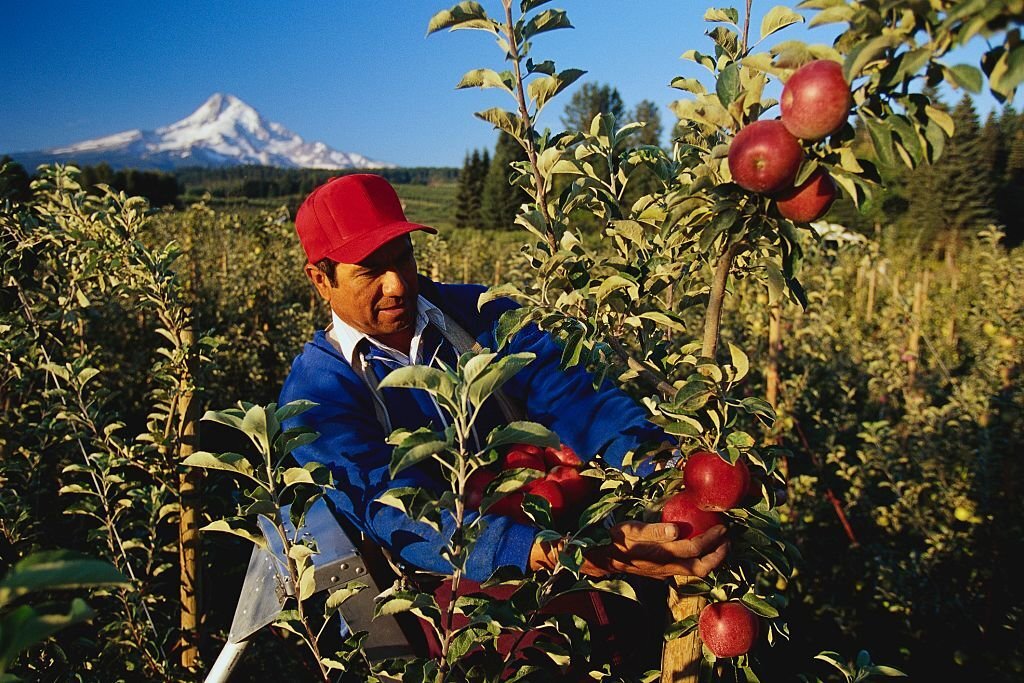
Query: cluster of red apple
{"points": [[712, 485], [562, 486], [765, 156]]}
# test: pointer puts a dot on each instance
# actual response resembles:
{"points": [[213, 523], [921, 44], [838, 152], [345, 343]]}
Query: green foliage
{"points": [[269, 481], [26, 625]]}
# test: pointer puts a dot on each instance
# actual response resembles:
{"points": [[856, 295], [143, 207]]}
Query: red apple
{"points": [[509, 506], [476, 485], [692, 521], [810, 200], [563, 455], [816, 100], [512, 504], [728, 628], [713, 482], [518, 458], [764, 157], [576, 487], [528, 448], [549, 491]]}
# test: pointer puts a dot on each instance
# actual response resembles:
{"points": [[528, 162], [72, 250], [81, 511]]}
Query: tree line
{"points": [[486, 199]]}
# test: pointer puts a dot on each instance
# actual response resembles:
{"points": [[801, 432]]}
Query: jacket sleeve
{"points": [[352, 444]]}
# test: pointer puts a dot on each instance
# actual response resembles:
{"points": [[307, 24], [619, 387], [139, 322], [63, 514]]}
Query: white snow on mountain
{"points": [[224, 131]]}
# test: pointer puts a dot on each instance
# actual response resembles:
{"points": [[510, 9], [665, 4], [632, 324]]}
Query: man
{"points": [[386, 315]]}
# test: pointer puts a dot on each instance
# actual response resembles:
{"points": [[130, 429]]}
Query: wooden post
{"points": [[869, 308], [681, 658], [465, 267], [771, 374], [914, 342], [497, 272], [188, 522]]}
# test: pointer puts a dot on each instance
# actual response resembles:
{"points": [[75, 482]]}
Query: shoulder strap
{"points": [[463, 342]]}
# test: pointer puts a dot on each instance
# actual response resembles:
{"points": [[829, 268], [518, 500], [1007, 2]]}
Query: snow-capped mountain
{"points": [[224, 131]]}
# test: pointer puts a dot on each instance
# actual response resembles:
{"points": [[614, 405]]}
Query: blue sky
{"points": [[359, 76]]}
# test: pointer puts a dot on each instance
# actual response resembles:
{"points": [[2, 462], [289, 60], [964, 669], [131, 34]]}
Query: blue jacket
{"points": [[352, 441]]}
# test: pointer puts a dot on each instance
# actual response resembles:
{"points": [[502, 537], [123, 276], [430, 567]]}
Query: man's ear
{"points": [[319, 279]]}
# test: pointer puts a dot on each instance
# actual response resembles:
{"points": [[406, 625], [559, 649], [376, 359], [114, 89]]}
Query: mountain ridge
{"points": [[223, 131]]}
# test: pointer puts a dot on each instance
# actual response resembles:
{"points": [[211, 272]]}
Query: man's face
{"points": [[378, 295]]}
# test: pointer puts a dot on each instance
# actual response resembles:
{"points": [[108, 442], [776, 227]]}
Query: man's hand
{"points": [[653, 550]]}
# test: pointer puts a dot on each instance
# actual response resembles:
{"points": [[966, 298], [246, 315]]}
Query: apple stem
{"points": [[713, 317]]}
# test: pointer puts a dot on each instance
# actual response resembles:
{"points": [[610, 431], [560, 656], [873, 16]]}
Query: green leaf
{"points": [[866, 52], [665, 319], [965, 76], [616, 282], [759, 606], [496, 374], [256, 427], [681, 628], [484, 78], [228, 462], [57, 570], [728, 85], [465, 15], [24, 627], [739, 361], [421, 445], [548, 20], [720, 222], [238, 526], [341, 594], [778, 18], [527, 5], [293, 408], [831, 15], [881, 140], [740, 440], [530, 433], [725, 14], [880, 670], [684, 426], [689, 85], [432, 380], [542, 89], [503, 120]]}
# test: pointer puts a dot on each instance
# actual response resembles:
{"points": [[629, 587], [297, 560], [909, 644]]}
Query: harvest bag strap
{"points": [[462, 342]]}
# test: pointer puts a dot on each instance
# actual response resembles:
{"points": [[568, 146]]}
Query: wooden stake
{"points": [[188, 522], [772, 371], [681, 658], [869, 308]]}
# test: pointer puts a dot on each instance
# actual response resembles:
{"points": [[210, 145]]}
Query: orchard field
{"points": [[899, 396], [873, 377]]}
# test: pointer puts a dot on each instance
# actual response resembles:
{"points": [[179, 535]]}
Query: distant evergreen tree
{"points": [[15, 183], [500, 200], [1010, 200], [955, 195], [647, 113], [469, 200], [590, 100]]}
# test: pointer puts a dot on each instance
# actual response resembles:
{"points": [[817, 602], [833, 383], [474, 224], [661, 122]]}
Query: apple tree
{"points": [[734, 198]]}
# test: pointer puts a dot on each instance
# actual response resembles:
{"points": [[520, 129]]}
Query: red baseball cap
{"points": [[349, 217]]}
